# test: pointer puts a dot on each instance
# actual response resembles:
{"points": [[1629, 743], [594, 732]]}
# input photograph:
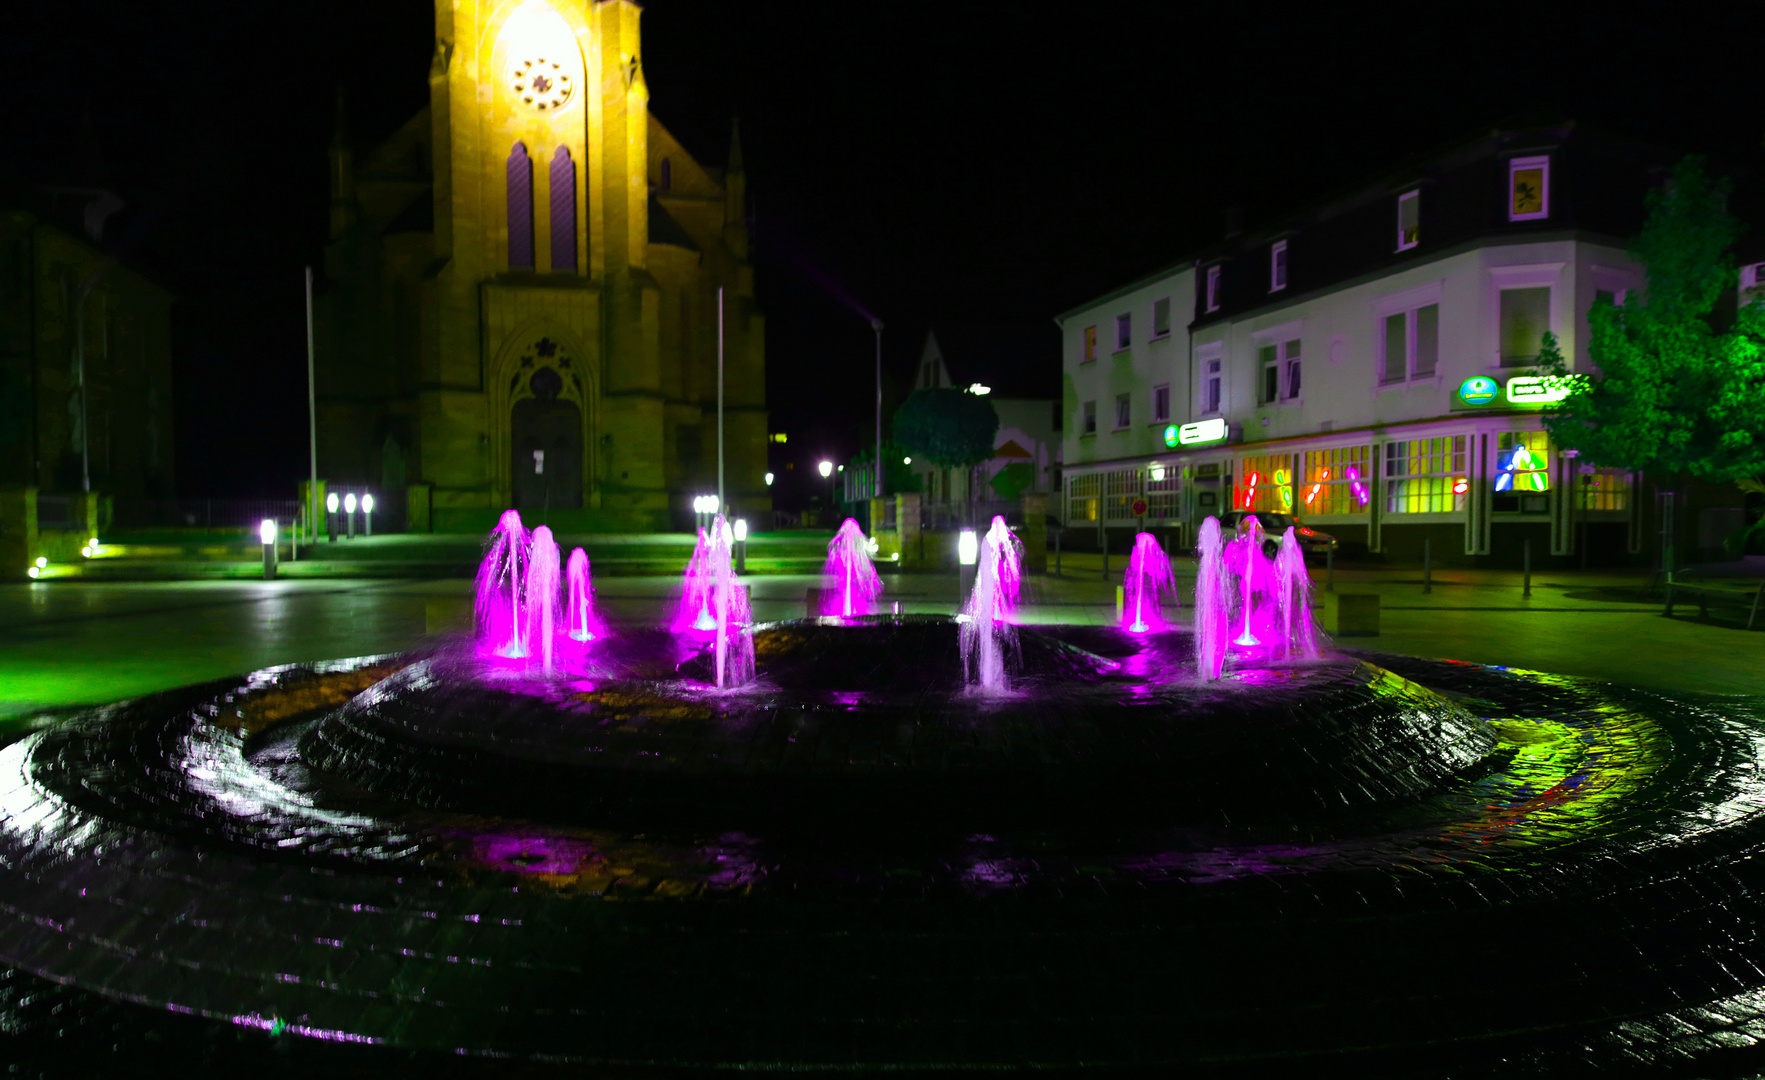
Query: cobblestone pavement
{"points": [[1513, 874]]}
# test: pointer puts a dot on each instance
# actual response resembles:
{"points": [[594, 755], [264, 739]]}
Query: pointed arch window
{"points": [[563, 187], [520, 209]]}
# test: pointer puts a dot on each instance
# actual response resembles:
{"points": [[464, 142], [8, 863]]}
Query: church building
{"points": [[527, 287]]}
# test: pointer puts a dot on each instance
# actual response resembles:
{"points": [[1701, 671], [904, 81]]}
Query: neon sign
{"points": [[1541, 389], [1521, 470], [1202, 431], [1250, 491], [1361, 494], [1170, 435], [1479, 390], [1286, 492], [1323, 475]]}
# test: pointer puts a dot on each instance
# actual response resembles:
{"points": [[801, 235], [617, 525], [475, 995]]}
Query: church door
{"points": [[546, 447]]}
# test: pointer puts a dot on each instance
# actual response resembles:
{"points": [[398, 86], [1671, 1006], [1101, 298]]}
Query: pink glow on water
{"points": [[584, 624], [1148, 580], [1213, 602], [497, 591], [540, 594], [987, 632], [850, 583]]}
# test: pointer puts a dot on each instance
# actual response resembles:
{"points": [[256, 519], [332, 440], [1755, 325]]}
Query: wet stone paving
{"points": [[1371, 864]]}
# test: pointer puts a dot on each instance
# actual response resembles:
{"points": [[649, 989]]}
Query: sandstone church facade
{"points": [[520, 302]]}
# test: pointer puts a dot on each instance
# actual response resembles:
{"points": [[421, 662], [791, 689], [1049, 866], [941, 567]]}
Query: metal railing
{"points": [[196, 513]]}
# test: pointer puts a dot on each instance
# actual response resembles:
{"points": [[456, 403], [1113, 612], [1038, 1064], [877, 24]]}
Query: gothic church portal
{"points": [[520, 298]]}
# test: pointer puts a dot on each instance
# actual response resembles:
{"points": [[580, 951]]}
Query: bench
{"points": [[1748, 594]]}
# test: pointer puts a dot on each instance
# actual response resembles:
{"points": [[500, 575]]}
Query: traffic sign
{"points": [[1138, 506]]}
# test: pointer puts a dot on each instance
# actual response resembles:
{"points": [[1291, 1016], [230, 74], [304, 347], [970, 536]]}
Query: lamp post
{"points": [[349, 515], [826, 469], [368, 514], [741, 545], [266, 535], [876, 324], [331, 516]]}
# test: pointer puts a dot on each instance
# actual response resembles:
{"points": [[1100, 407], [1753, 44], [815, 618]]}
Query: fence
{"points": [[936, 517], [1110, 496], [196, 513]]}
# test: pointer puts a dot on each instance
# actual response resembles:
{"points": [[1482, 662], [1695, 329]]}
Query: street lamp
{"points": [[266, 535], [331, 515], [968, 550], [368, 513], [769, 479], [826, 469]]}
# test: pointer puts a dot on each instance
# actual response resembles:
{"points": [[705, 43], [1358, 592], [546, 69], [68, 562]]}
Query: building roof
{"points": [[1017, 360], [665, 230]]}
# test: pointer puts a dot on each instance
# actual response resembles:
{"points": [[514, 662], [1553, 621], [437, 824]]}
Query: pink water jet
{"points": [[693, 612], [1213, 602], [584, 624], [497, 590], [851, 583], [1244, 555], [988, 634], [540, 591], [1148, 580], [1299, 633], [733, 645]]}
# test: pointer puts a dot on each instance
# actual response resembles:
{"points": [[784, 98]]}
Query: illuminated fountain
{"points": [[497, 592], [850, 583], [988, 636], [1146, 585], [796, 840], [584, 624]]}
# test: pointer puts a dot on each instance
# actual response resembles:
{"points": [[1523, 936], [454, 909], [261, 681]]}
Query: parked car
{"points": [[1275, 526]]}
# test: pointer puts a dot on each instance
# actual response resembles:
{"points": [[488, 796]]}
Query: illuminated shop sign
{"points": [[1541, 389], [1202, 431], [1480, 390]]}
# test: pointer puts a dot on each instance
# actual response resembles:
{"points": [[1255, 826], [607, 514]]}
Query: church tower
{"points": [[522, 301]]}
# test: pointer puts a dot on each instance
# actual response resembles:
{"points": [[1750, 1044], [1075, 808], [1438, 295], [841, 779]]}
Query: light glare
{"points": [[266, 531], [349, 503], [826, 468], [967, 548]]}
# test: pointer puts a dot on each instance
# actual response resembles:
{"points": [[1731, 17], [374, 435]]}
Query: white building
{"points": [[1014, 367], [1368, 366]]}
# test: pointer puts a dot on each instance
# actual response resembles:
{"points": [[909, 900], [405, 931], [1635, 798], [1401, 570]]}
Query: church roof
{"points": [[665, 230], [1017, 360], [418, 217]]}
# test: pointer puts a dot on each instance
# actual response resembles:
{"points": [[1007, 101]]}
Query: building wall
{"points": [[127, 365]]}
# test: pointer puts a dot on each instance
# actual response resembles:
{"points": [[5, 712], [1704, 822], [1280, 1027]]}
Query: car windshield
{"points": [[1275, 522]]}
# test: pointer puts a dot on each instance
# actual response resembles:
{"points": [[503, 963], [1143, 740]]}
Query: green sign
{"points": [[1170, 435], [1479, 390], [1540, 389]]}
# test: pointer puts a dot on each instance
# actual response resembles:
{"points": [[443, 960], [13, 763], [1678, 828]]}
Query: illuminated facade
{"points": [[520, 304], [1368, 366]]}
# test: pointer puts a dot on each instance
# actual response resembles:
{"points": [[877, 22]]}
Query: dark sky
{"points": [[969, 161]]}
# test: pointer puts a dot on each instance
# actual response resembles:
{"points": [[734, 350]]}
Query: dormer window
{"points": [[1278, 266], [1409, 220], [1213, 288], [1529, 188]]}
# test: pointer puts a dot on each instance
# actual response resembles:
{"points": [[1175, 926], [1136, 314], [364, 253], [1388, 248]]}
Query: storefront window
{"points": [[1335, 481], [1603, 489], [1268, 484], [1522, 472], [1426, 476]]}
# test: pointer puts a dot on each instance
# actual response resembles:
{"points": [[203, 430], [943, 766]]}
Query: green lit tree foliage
{"points": [[1673, 392], [952, 429], [898, 475]]}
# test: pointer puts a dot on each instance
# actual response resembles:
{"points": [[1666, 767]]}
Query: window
{"points": [[1161, 317], [1602, 489], [1267, 485], [1409, 220], [1124, 331], [1529, 188], [1269, 384], [1337, 481], [1161, 403], [1412, 344], [1213, 288], [1123, 410], [563, 193], [1525, 316], [1090, 424], [1090, 344], [1082, 497], [1278, 266], [1210, 400], [520, 181], [1426, 476], [1522, 472], [1290, 360]]}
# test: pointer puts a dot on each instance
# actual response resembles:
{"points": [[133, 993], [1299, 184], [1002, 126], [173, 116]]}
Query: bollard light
{"points": [[331, 502], [368, 514], [968, 549], [741, 530], [349, 503], [349, 516], [93, 543], [331, 516], [266, 531], [266, 534], [768, 479], [42, 563], [33, 571], [907, 461], [367, 504]]}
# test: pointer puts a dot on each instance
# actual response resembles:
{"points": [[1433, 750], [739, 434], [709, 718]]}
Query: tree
{"points": [[950, 428], [1673, 392]]}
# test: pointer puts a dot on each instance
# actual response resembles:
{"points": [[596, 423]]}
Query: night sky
{"points": [[924, 162]]}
